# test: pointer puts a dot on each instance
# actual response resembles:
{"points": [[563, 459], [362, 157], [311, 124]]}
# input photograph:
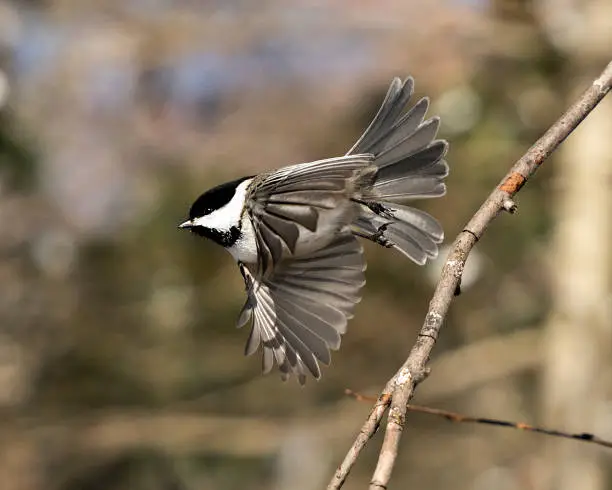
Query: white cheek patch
{"points": [[224, 218]]}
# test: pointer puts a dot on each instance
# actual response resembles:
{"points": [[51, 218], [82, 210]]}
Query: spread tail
{"points": [[410, 165]]}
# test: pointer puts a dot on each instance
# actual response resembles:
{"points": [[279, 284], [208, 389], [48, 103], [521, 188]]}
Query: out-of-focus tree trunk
{"points": [[577, 342], [577, 373]]}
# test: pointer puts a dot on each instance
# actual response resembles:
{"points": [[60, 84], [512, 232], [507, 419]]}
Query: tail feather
{"points": [[401, 130], [418, 220], [425, 162], [400, 190], [409, 145], [405, 243], [410, 165], [404, 145], [414, 233], [396, 99]]}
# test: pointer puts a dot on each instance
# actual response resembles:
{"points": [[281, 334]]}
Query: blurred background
{"points": [[120, 367]]}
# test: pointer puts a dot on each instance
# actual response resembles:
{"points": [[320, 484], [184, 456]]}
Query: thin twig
{"points": [[368, 429], [520, 172], [413, 368], [461, 418]]}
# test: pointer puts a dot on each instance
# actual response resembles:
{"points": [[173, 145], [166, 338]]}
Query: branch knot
{"points": [[403, 384], [431, 325]]}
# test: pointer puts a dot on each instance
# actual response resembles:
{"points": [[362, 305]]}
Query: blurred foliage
{"points": [[18, 158], [109, 309]]}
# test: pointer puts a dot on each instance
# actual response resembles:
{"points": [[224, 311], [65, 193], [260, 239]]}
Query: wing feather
{"points": [[273, 242], [285, 230], [305, 215], [299, 312], [314, 198], [294, 200], [317, 171]]}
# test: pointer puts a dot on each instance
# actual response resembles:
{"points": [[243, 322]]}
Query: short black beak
{"points": [[186, 225]]}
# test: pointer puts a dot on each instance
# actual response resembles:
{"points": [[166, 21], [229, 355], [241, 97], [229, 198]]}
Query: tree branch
{"points": [[401, 386], [585, 437]]}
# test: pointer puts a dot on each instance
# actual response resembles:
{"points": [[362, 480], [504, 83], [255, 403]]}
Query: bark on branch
{"points": [[400, 388]]}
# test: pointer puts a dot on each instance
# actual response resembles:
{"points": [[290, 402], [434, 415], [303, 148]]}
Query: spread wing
{"points": [[293, 201], [298, 313]]}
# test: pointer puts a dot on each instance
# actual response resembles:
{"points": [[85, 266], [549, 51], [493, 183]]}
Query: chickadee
{"points": [[293, 231]]}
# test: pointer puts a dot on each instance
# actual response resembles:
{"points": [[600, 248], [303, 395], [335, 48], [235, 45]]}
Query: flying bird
{"points": [[294, 231]]}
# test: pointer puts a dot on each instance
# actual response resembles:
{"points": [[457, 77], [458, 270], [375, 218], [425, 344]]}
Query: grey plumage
{"points": [[303, 196], [302, 264], [410, 165], [300, 310]]}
